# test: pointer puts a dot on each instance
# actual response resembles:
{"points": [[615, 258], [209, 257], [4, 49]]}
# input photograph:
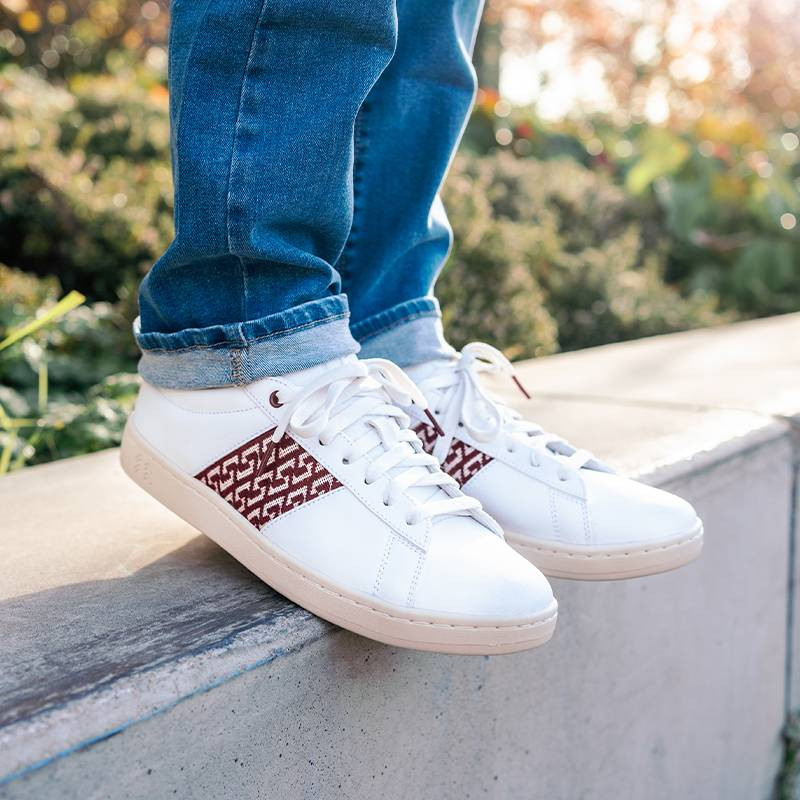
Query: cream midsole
{"points": [[598, 562], [364, 614]]}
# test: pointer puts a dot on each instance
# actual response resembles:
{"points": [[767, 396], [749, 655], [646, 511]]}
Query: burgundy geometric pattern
{"points": [[463, 461], [261, 489]]}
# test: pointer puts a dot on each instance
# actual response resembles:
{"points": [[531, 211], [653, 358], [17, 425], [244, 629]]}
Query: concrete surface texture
{"points": [[137, 660]]}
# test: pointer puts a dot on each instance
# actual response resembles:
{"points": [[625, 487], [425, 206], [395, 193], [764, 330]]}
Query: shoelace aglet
{"points": [[521, 387], [436, 426]]}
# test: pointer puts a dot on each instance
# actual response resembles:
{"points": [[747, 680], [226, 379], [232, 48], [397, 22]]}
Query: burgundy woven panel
{"points": [[263, 489], [463, 461]]}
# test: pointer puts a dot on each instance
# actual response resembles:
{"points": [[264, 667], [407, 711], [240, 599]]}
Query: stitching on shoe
{"points": [[587, 528], [412, 589], [622, 555], [575, 501], [291, 477], [265, 527], [193, 485], [197, 411], [551, 499], [384, 560], [410, 541], [236, 446], [524, 626], [346, 482], [502, 459]]}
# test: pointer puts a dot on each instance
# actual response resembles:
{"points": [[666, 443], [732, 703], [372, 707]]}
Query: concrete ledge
{"points": [[139, 660]]}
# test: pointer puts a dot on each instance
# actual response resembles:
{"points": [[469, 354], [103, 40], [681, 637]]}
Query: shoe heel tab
{"points": [[149, 398], [148, 389]]}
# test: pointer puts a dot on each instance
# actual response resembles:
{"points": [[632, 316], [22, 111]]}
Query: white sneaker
{"points": [[560, 507], [316, 484]]}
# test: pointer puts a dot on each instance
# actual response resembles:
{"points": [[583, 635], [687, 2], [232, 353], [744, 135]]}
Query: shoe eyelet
{"points": [[274, 401], [346, 462]]}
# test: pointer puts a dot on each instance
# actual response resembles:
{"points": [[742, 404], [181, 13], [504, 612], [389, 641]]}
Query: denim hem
{"points": [[394, 316], [236, 334], [408, 333], [242, 361]]}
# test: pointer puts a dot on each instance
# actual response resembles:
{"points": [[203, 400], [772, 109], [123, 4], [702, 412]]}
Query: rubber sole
{"points": [[594, 563], [363, 614]]}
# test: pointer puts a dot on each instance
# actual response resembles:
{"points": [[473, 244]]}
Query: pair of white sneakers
{"points": [[369, 496]]}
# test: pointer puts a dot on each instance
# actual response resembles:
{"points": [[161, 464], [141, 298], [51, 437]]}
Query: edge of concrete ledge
{"points": [[32, 743], [666, 473]]}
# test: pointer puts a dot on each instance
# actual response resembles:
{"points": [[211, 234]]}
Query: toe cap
{"points": [[472, 573], [624, 511]]}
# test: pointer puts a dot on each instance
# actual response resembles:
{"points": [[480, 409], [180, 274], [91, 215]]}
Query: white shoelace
{"points": [[360, 399], [484, 417]]}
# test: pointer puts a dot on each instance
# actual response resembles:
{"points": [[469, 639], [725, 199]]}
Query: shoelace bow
{"points": [[370, 391], [484, 417]]}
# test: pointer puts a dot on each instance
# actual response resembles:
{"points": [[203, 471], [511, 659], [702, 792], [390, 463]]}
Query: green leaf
{"points": [[43, 386], [8, 449], [662, 154], [66, 304]]}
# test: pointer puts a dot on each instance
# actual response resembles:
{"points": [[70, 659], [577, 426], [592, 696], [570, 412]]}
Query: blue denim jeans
{"points": [[309, 141]]}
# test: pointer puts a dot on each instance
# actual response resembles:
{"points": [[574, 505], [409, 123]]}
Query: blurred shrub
{"points": [[724, 196], [85, 188], [487, 289], [730, 212], [59, 39], [67, 388], [549, 255]]}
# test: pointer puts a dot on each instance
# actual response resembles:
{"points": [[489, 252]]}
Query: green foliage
{"points": [[788, 783], [66, 388], [550, 255], [723, 196], [488, 290], [85, 187], [60, 39], [85, 194], [732, 230]]}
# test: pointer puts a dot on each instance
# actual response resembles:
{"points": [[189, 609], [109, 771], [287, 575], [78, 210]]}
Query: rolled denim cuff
{"points": [[408, 333], [242, 352]]}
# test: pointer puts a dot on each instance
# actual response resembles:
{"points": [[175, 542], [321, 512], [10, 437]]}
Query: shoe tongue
{"points": [[419, 372], [303, 376]]}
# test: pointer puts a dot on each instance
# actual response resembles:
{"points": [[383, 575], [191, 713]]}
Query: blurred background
{"points": [[630, 168]]}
